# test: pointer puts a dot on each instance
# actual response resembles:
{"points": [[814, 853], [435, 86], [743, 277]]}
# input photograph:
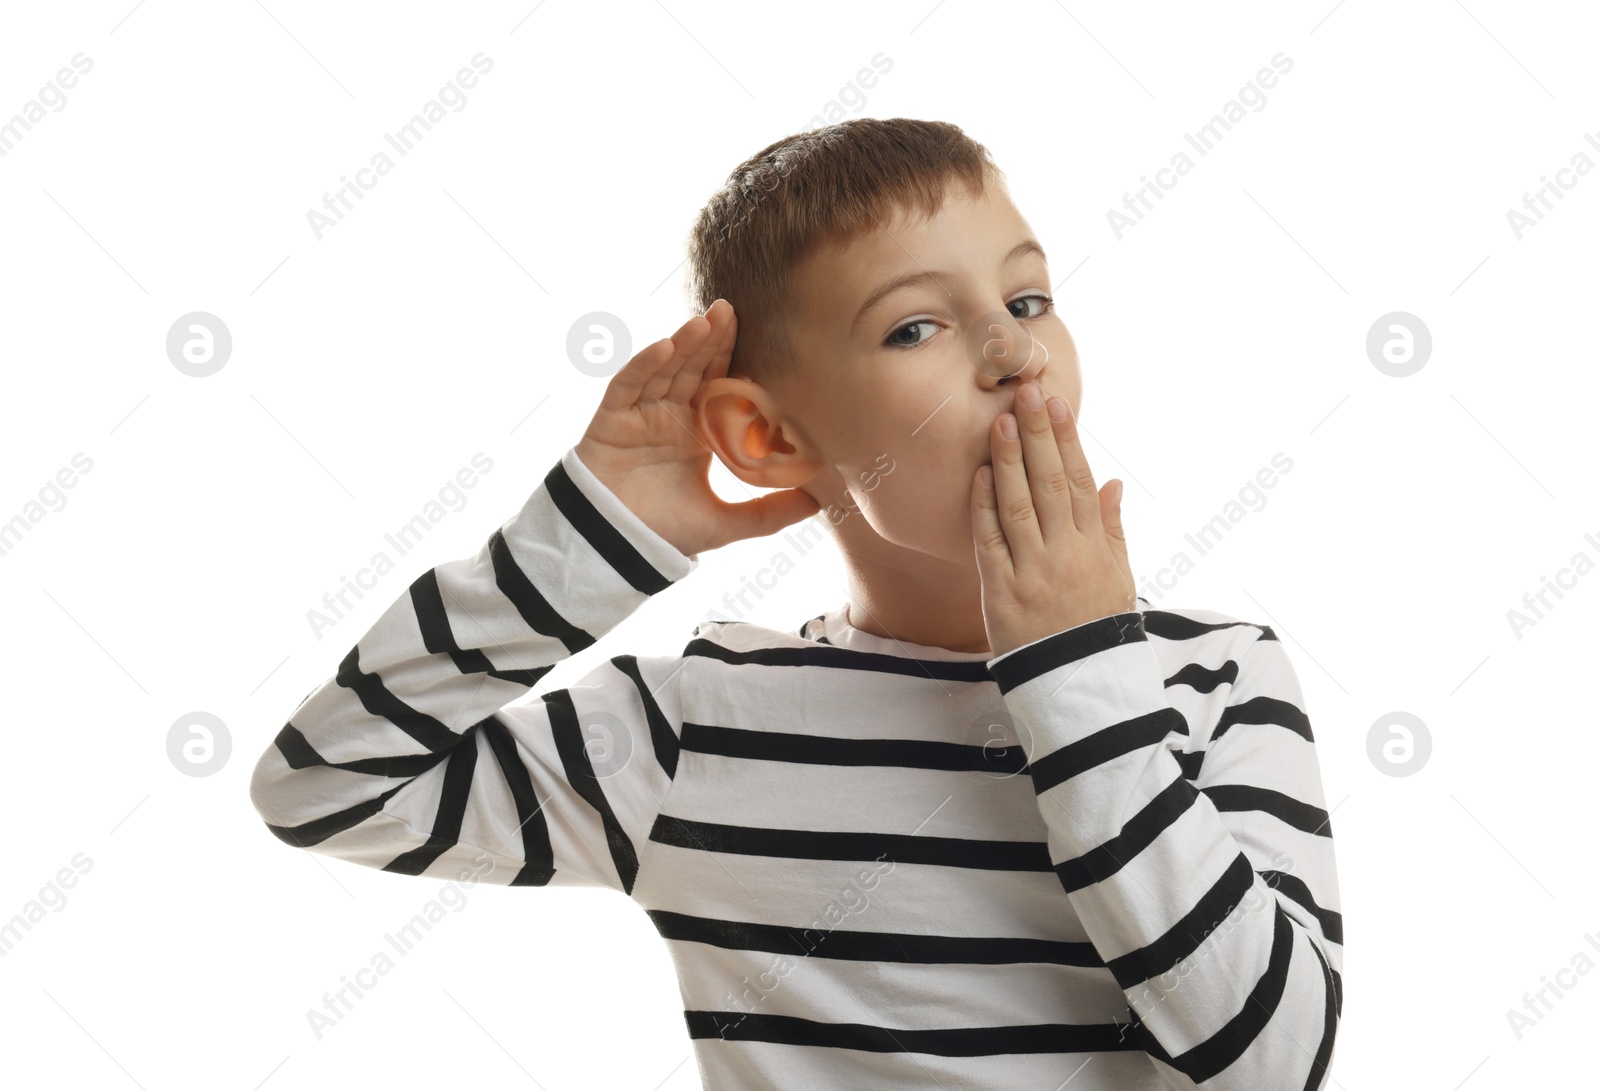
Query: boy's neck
{"points": [[917, 599]]}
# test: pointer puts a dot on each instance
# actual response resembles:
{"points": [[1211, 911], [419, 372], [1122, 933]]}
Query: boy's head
{"points": [[801, 241]]}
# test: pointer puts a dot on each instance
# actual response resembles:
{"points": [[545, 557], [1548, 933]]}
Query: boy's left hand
{"points": [[1050, 547]]}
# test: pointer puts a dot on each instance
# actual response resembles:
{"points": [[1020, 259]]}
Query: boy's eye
{"points": [[1046, 302], [895, 340]]}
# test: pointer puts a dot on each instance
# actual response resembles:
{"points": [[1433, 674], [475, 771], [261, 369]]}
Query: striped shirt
{"points": [[1104, 855]]}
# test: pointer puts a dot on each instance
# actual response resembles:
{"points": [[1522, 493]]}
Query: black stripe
{"points": [[538, 857], [437, 636], [661, 737], [1138, 832], [741, 1026], [1106, 744], [1249, 797], [1173, 626], [1183, 938], [739, 742], [1264, 710], [570, 744], [828, 942], [300, 754], [1295, 888], [1189, 761], [1205, 679], [1067, 646], [535, 609], [446, 832], [297, 750], [376, 699], [1332, 1003], [603, 537], [1229, 1044], [827, 655], [819, 845]]}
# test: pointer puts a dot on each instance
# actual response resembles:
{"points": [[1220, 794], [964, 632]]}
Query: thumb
{"points": [[1111, 518], [768, 514], [1111, 514]]}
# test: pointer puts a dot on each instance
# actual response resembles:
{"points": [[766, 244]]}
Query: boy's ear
{"points": [[740, 421]]}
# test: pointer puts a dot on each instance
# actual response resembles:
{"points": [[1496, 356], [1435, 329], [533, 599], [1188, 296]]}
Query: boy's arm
{"points": [[408, 758], [1215, 905]]}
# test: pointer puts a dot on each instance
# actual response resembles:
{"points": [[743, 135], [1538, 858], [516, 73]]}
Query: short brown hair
{"points": [[825, 185]]}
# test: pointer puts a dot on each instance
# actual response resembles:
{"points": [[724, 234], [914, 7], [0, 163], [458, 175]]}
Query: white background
{"points": [[431, 323]]}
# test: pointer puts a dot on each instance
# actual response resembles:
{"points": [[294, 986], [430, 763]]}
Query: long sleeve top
{"points": [[1104, 855]]}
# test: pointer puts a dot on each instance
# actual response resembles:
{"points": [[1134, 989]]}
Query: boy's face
{"points": [[898, 432]]}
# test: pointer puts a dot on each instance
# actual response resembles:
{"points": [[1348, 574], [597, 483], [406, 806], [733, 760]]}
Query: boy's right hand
{"points": [[644, 443]]}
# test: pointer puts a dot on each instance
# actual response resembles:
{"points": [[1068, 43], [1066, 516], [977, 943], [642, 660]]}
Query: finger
{"points": [[1085, 493], [717, 345], [1013, 496], [1111, 517], [988, 539], [625, 388], [765, 514], [649, 373], [1041, 452], [689, 352], [720, 362]]}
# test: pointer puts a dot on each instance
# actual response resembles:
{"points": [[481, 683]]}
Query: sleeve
{"points": [[411, 759], [1214, 904]]}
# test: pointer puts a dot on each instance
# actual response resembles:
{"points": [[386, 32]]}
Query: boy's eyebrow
{"points": [[1026, 246]]}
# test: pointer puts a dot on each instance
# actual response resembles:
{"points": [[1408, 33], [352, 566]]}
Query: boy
{"points": [[826, 825]]}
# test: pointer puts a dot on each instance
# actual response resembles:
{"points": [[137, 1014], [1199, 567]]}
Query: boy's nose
{"points": [[1028, 364], [1003, 352]]}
